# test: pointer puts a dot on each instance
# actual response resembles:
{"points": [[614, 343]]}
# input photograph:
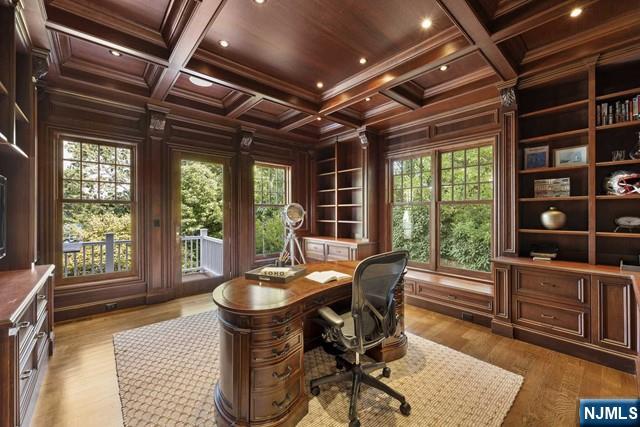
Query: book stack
{"points": [[625, 110]]}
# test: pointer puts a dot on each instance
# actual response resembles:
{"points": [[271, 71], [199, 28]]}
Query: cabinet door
{"points": [[614, 314]]}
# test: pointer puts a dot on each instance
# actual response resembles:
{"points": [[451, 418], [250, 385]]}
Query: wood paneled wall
{"points": [[159, 137]]}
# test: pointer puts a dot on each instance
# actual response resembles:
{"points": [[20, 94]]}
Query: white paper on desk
{"points": [[327, 276]]}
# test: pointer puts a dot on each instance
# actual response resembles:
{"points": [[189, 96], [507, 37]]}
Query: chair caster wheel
{"points": [[386, 372], [405, 409], [354, 423], [315, 390]]}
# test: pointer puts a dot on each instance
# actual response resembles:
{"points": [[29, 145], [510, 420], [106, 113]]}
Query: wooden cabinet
{"points": [[614, 314], [586, 310], [26, 340], [454, 296], [335, 249]]}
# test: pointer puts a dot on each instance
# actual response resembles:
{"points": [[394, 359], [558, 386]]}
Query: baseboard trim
{"points": [[502, 328], [610, 358], [479, 318]]}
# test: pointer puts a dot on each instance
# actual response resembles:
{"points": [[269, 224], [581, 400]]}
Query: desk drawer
{"points": [[314, 250], [271, 354], [343, 292], [275, 335], [552, 285], [337, 253], [275, 403], [25, 326], [276, 319], [274, 375], [567, 322]]}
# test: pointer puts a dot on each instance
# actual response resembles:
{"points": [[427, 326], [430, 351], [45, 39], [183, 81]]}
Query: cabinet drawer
{"points": [[274, 375], [275, 403], [568, 322], [279, 318], [409, 287], [314, 247], [275, 335], [552, 285], [25, 326], [335, 252], [271, 354], [341, 293], [456, 297]]}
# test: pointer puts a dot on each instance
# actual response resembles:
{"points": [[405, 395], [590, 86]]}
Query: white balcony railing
{"points": [[200, 254]]}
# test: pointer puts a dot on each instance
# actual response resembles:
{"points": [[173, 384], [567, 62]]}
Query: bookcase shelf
{"points": [[3, 89], [553, 169], [20, 115], [555, 136], [549, 111], [556, 109]]}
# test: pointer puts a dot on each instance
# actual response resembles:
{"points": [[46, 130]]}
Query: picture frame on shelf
{"points": [[577, 155], [536, 157], [554, 187]]}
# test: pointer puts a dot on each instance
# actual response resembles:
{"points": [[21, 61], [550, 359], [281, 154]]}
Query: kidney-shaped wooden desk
{"points": [[264, 330]]}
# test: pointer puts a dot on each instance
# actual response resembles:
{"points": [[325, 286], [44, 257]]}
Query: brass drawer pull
{"points": [[23, 325], [451, 297], [545, 284], [41, 297], [319, 300], [547, 316], [26, 374], [282, 320], [284, 333], [283, 376], [277, 353], [281, 404], [41, 335]]}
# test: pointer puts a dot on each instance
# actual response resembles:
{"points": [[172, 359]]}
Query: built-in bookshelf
{"points": [[563, 114], [340, 190]]}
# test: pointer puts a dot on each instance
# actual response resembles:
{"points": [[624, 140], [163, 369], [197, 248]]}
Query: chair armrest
{"points": [[331, 317]]}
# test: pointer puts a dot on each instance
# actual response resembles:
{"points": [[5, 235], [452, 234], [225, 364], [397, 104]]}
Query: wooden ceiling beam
{"points": [[468, 21], [296, 122], [345, 119], [403, 72], [208, 71], [243, 106], [85, 29], [404, 96], [202, 17], [531, 16]]}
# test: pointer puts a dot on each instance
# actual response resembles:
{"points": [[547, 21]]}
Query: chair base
{"points": [[360, 374]]}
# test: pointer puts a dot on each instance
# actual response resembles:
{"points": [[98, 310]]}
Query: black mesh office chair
{"points": [[372, 319]]}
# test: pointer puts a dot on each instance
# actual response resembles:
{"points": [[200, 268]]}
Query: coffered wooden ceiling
{"points": [[278, 50]]}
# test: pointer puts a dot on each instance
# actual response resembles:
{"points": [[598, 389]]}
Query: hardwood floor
{"points": [[81, 388]]}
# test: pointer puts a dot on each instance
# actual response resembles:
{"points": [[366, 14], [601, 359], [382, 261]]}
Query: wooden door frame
{"points": [[176, 156]]}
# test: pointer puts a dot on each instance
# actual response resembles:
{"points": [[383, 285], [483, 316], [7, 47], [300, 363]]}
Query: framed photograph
{"points": [[555, 187], [536, 157], [571, 156]]}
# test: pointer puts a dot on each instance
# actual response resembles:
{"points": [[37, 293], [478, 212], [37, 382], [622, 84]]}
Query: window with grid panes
{"points": [[270, 196], [97, 206], [410, 209], [466, 208]]}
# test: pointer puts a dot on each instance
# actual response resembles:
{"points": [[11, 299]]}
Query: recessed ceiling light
{"points": [[363, 60], [114, 52], [444, 67], [367, 99], [223, 43], [319, 85], [200, 82], [575, 12], [426, 23], [259, 1], [318, 118]]}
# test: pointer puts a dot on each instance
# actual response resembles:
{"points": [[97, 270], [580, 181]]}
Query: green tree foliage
{"points": [[90, 222], [411, 231], [269, 231], [202, 198], [465, 236]]}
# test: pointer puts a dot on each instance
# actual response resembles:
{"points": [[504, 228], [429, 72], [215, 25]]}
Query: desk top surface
{"points": [[247, 295]]}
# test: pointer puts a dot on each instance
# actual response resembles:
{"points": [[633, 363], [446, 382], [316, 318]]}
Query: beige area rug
{"points": [[167, 372]]}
